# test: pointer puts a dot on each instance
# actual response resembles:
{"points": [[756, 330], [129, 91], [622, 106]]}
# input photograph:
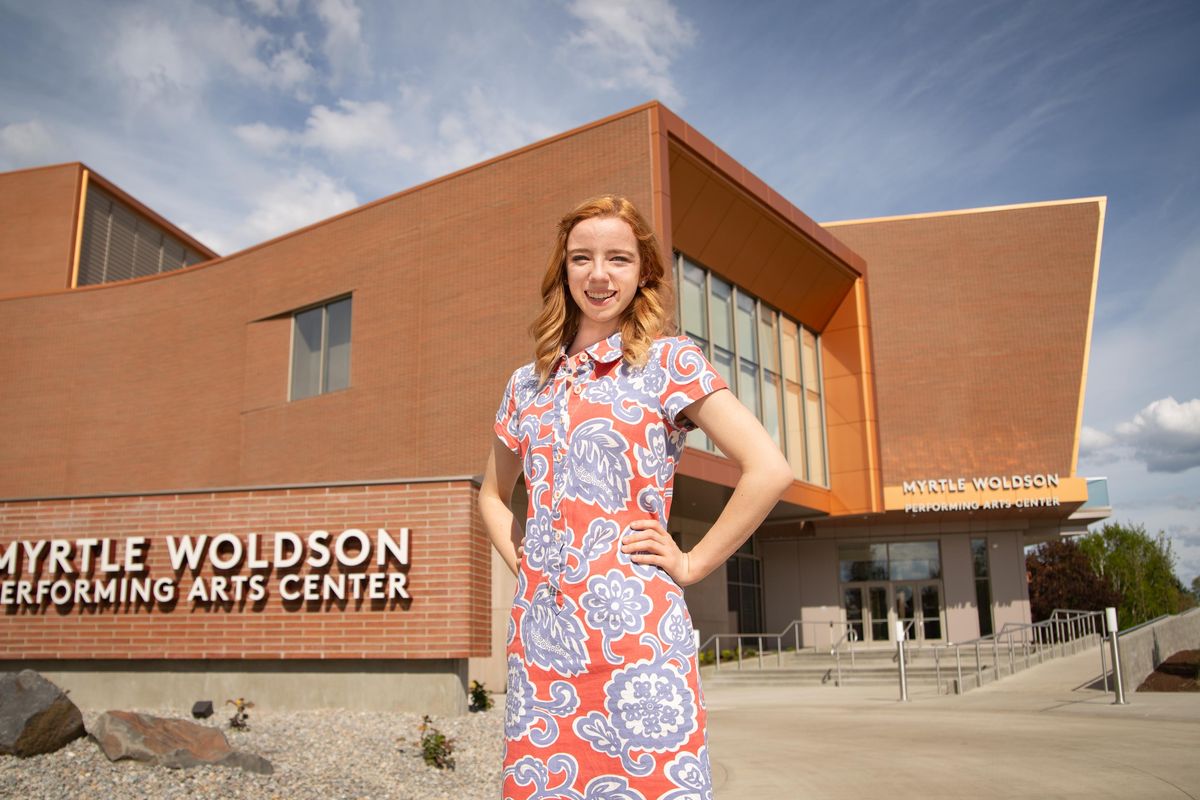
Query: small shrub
{"points": [[481, 698], [436, 748], [241, 713]]}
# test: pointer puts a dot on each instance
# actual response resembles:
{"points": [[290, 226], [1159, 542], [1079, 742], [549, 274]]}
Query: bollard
{"points": [[1111, 617], [903, 673]]}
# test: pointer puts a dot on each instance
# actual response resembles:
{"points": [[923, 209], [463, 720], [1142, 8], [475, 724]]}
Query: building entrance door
{"points": [[867, 611], [918, 605], [872, 610]]}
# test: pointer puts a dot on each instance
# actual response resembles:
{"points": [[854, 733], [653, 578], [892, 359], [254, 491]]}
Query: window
{"points": [[119, 244], [321, 349], [771, 363], [983, 585], [743, 578], [897, 561]]}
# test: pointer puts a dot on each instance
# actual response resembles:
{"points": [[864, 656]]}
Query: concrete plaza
{"points": [[1039, 734]]}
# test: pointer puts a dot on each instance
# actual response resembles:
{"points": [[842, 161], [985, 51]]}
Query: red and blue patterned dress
{"points": [[604, 699]]}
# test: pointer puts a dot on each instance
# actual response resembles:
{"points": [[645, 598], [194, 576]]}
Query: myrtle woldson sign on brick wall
{"points": [[118, 573]]}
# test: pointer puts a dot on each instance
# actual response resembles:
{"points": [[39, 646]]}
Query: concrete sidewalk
{"points": [[1033, 735]]}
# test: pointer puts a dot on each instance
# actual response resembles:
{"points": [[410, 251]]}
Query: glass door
{"points": [[866, 607], [852, 603], [919, 606], [931, 610], [877, 613]]}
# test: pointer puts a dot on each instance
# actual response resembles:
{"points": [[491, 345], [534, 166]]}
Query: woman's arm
{"points": [[499, 477], [765, 476]]}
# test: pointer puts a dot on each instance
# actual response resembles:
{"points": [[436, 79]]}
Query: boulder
{"points": [[35, 715], [169, 742]]}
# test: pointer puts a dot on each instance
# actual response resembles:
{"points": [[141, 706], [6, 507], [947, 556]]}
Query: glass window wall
{"points": [[771, 363]]}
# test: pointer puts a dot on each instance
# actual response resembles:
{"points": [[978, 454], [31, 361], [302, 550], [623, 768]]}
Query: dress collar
{"points": [[604, 351]]}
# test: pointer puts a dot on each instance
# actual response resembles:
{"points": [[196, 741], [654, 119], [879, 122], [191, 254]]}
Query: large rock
{"points": [[35, 715], [169, 742]]}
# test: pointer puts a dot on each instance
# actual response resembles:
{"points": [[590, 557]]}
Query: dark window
{"points": [[321, 349], [743, 576], [983, 585]]}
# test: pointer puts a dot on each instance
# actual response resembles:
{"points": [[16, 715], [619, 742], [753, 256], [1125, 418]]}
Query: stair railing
{"points": [[1066, 631], [794, 630], [851, 636]]}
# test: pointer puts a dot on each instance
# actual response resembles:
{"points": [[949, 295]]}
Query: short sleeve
{"points": [[507, 420], [689, 378]]}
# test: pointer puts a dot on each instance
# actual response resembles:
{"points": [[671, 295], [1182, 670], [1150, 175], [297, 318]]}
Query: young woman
{"points": [[604, 695]]}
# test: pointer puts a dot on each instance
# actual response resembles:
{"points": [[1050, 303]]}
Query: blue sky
{"points": [[243, 119]]}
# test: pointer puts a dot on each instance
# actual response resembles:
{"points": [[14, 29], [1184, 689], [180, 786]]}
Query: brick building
{"points": [[256, 473]]}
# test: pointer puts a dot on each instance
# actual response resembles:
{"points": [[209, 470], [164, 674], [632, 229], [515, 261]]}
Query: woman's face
{"points": [[603, 269]]}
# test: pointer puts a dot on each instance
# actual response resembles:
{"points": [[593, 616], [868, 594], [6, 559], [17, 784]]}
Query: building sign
{"points": [[993, 482], [981, 493], [118, 573]]}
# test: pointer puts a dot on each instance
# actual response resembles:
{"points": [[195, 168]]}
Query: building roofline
{"points": [[677, 128], [980, 210], [700, 146], [348, 212]]}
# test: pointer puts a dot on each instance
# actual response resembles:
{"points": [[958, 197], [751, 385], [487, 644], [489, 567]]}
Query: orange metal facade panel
{"points": [[786, 263], [852, 493], [731, 235], [695, 228]]}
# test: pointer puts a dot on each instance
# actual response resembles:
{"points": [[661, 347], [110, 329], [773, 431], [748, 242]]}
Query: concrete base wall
{"points": [[1144, 649], [433, 687]]}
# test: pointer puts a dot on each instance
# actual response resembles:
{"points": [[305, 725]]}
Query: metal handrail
{"points": [[835, 650], [793, 628], [1064, 628]]}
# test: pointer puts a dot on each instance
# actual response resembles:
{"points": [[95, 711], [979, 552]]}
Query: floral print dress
{"points": [[604, 699]]}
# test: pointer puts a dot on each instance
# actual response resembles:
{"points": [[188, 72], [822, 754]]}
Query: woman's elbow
{"points": [[781, 474], [773, 471]]}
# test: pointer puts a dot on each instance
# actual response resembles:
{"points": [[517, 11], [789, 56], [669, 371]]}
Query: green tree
{"points": [[1061, 576], [1140, 568], [1196, 588]]}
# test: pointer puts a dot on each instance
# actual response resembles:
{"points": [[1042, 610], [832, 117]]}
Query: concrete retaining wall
{"points": [[1144, 649], [436, 686]]}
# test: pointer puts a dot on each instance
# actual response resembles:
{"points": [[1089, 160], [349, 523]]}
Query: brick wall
{"points": [[38, 208], [448, 578], [980, 324], [181, 381]]}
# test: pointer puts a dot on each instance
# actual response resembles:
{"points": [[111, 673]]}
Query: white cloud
{"points": [[629, 43], [476, 129], [1165, 435], [436, 139], [296, 200], [274, 8], [166, 63], [263, 137], [353, 126], [25, 144], [153, 60], [343, 45], [1094, 444]]}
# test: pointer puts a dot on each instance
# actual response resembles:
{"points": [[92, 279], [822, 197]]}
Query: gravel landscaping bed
{"points": [[316, 754]]}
